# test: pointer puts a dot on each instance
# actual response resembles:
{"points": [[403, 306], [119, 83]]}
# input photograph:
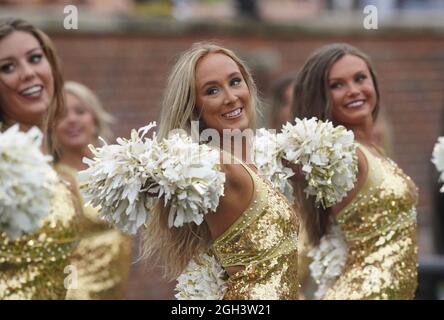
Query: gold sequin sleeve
{"points": [[379, 226], [102, 261], [33, 266], [102, 258], [263, 241]]}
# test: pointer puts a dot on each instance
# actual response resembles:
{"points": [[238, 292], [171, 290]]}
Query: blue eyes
{"points": [[35, 58], [211, 91], [235, 82], [214, 90]]}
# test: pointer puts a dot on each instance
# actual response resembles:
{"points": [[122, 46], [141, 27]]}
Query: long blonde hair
{"points": [[174, 247], [313, 100], [57, 104]]}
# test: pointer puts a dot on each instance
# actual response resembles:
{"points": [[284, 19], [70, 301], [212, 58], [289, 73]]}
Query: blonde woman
{"points": [[103, 256], [31, 94], [253, 233]]}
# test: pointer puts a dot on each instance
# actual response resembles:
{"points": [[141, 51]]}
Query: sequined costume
{"points": [[33, 266], [263, 240], [379, 226], [102, 258]]}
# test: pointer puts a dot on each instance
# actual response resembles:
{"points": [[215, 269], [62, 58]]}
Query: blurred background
{"points": [[124, 49]]}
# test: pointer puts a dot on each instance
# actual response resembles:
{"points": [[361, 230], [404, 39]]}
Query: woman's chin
{"points": [[76, 145], [240, 124], [355, 117]]}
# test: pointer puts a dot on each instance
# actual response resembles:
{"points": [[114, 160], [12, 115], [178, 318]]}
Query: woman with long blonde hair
{"points": [[103, 256], [253, 233]]}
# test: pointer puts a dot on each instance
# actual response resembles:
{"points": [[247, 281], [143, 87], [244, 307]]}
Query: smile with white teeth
{"points": [[32, 92], [355, 104], [233, 114]]}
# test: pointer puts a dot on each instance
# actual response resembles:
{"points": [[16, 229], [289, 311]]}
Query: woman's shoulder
{"points": [[371, 152], [237, 174], [239, 188], [361, 178]]}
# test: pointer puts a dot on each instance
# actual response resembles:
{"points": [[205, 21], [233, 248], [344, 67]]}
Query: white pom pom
{"points": [[438, 159], [27, 182], [268, 159], [329, 259], [126, 179], [202, 279], [327, 156]]}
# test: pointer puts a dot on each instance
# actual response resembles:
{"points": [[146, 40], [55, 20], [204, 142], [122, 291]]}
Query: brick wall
{"points": [[128, 71]]}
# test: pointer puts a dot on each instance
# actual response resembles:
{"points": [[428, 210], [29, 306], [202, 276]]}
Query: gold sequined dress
{"points": [[102, 258], [264, 241], [379, 226], [35, 266]]}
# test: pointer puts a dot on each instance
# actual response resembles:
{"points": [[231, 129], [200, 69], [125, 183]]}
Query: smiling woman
{"points": [[27, 84], [254, 230], [374, 227], [103, 256], [352, 92], [32, 266], [223, 99]]}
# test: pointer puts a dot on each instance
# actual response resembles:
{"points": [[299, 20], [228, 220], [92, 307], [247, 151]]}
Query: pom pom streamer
{"points": [[27, 182], [126, 179], [328, 260], [202, 279], [268, 159], [326, 155], [438, 159]]}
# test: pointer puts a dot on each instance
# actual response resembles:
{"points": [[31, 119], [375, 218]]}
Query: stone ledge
{"points": [[430, 24]]}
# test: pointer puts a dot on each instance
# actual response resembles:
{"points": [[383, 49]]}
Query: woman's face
{"points": [[222, 96], [77, 128], [26, 79], [352, 91]]}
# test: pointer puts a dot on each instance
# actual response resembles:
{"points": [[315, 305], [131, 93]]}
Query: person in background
{"points": [[281, 100], [279, 114], [103, 256]]}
